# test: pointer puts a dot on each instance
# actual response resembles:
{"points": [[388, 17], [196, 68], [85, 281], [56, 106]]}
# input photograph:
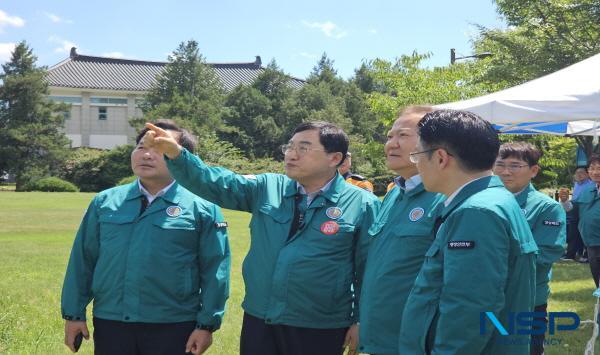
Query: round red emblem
{"points": [[330, 227]]}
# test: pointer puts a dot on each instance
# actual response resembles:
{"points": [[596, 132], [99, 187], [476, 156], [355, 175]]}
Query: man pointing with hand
{"points": [[309, 240]]}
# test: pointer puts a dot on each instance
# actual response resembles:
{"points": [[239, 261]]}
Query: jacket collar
{"points": [[523, 195], [470, 189], [170, 195], [332, 194]]}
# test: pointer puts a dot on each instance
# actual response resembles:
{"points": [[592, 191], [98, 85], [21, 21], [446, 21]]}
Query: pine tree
{"points": [[32, 142]]}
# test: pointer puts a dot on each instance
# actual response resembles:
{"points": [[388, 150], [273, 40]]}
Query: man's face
{"points": [[429, 174], [581, 175], [307, 159], [147, 164], [515, 173], [594, 172], [401, 141]]}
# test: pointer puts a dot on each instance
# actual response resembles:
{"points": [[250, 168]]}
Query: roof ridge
{"points": [[83, 57]]}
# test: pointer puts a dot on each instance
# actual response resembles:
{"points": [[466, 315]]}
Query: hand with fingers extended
{"points": [[351, 341], [162, 141], [199, 341], [72, 328]]}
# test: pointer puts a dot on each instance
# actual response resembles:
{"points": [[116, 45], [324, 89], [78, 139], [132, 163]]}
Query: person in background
{"points": [[517, 165], [155, 260], [309, 240], [402, 233], [483, 256], [575, 247], [588, 205], [354, 179], [581, 180]]}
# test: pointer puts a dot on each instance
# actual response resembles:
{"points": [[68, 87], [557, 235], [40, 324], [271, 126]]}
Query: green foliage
{"points": [[32, 144], [127, 180], [96, 170], [222, 153], [256, 116], [187, 91], [50, 184], [407, 82], [543, 37]]}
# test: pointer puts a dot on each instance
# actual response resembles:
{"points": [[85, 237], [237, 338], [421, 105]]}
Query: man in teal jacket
{"points": [[154, 258], [401, 235], [588, 203], [516, 165], [481, 264], [303, 272]]}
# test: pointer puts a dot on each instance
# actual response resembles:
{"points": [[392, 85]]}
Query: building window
{"points": [[107, 101], [102, 114], [66, 115], [66, 99]]}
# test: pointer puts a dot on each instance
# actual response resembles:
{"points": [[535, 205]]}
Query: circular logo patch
{"points": [[173, 211], [330, 227], [333, 212], [416, 213]]}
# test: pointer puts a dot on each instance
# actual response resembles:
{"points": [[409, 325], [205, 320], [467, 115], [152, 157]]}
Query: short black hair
{"points": [[595, 158], [185, 139], [332, 137], [471, 140], [522, 151]]}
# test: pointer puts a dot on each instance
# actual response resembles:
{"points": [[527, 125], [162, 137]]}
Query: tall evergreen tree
{"points": [[187, 91], [32, 143]]}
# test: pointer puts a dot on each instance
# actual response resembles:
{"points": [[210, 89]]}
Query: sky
{"points": [[294, 33]]}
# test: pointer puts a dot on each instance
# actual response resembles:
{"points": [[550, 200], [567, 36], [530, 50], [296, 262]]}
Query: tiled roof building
{"points": [[103, 93]]}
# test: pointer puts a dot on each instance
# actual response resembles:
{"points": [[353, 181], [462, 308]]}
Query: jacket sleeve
{"points": [[361, 250], [474, 279], [218, 185], [214, 266], [77, 286]]}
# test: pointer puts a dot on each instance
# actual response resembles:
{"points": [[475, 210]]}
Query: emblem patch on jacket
{"points": [[333, 212], [173, 211], [416, 214]]}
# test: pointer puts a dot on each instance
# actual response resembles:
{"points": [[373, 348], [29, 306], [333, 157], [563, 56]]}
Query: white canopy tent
{"points": [[564, 102]]}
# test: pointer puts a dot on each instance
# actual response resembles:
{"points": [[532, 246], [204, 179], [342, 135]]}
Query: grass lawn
{"points": [[36, 233]]}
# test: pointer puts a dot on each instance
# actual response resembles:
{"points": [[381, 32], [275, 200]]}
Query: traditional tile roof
{"points": [[89, 72]]}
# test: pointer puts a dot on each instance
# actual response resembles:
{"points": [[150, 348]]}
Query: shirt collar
{"points": [[151, 197], [451, 197], [409, 184], [311, 196]]}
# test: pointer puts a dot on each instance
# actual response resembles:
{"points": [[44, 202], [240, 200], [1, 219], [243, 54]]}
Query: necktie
{"points": [[144, 204], [298, 220]]}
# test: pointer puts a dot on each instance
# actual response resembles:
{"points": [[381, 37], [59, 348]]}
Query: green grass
{"points": [[36, 232]]}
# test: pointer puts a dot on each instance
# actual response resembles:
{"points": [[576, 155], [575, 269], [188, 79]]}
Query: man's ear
{"points": [[535, 170], [335, 159], [442, 157]]}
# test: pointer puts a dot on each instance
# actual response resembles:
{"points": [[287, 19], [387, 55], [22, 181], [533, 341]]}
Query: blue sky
{"points": [[295, 33]]}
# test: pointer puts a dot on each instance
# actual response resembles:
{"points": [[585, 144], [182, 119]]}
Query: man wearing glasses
{"points": [[401, 236], [516, 165], [309, 240], [481, 265]]}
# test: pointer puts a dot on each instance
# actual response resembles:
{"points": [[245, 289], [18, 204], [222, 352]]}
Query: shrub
{"points": [[51, 184], [96, 170], [127, 180]]}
